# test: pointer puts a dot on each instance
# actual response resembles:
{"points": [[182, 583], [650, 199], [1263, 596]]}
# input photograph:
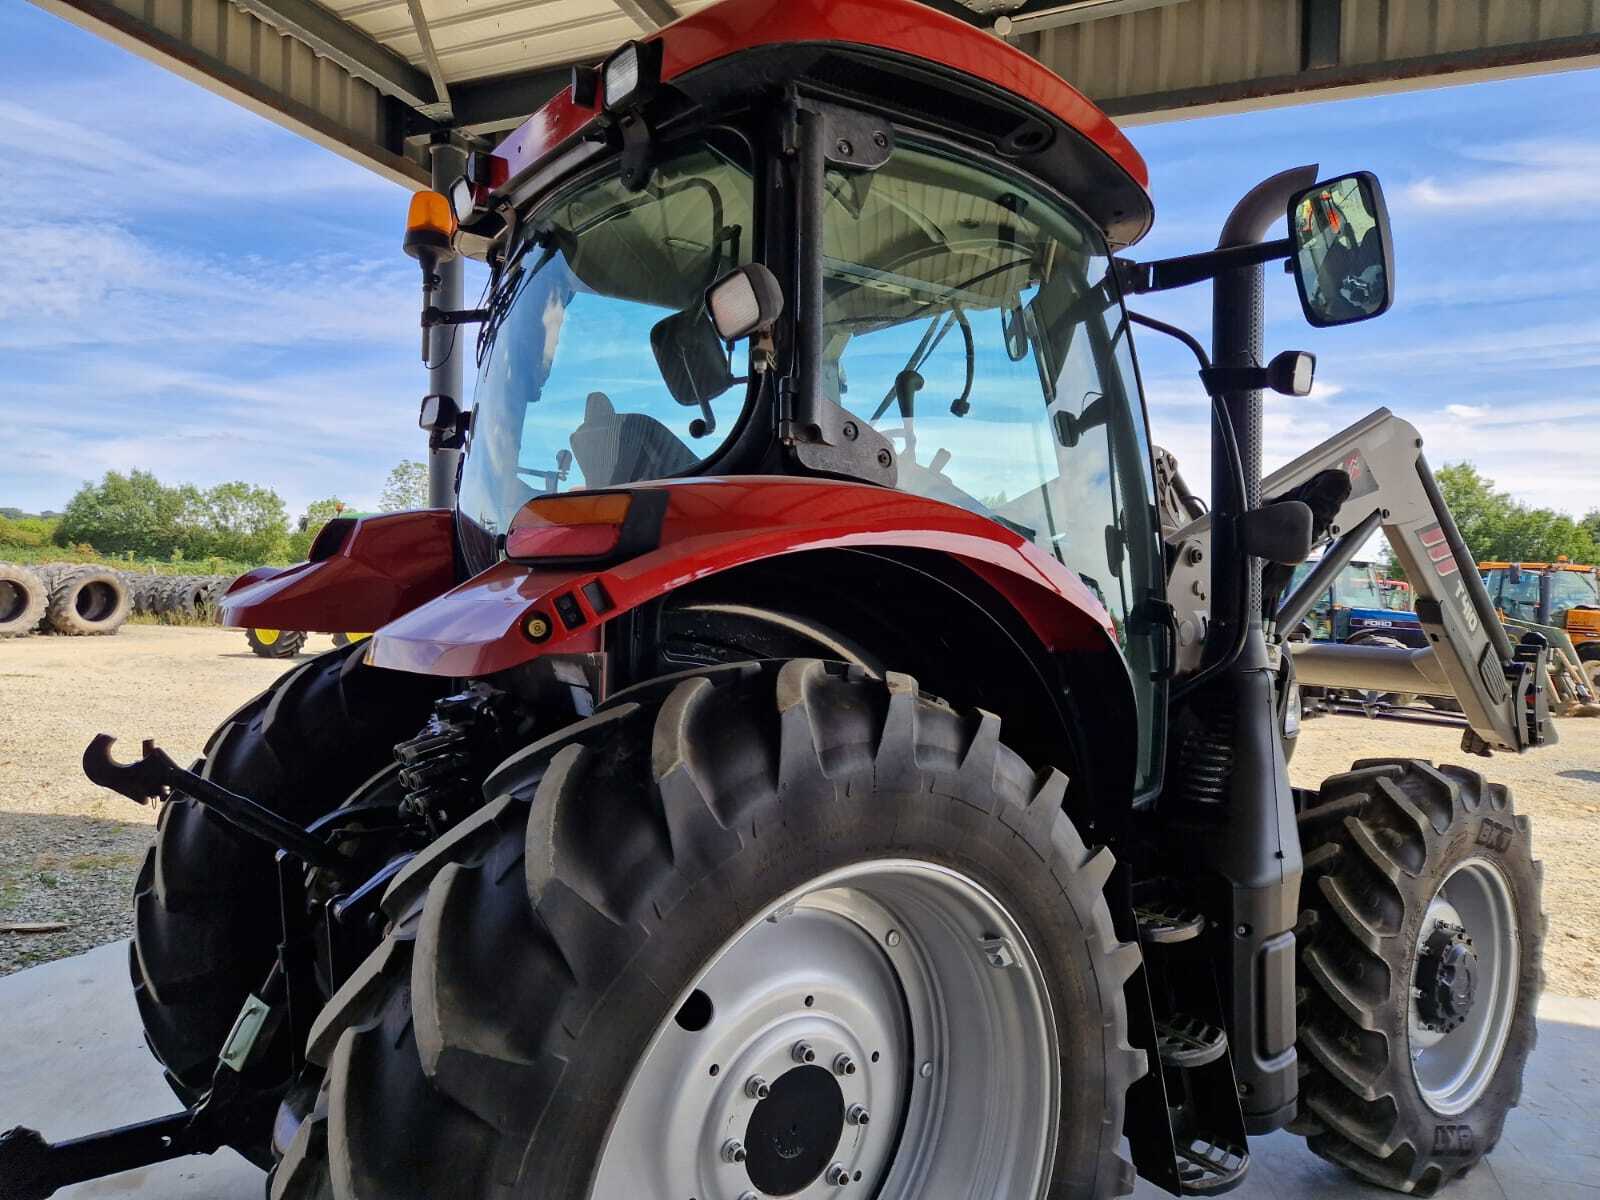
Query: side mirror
{"points": [[693, 361], [1343, 261]]}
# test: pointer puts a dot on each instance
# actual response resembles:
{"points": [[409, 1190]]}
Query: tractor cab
{"points": [[970, 349], [1357, 606]]}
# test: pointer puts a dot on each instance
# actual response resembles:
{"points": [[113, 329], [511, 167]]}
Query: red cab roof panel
{"points": [[898, 26]]}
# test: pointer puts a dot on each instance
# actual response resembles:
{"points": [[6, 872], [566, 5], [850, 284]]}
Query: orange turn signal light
{"points": [[578, 525]]}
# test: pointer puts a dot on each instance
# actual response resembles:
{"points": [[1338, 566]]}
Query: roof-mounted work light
{"points": [[631, 75]]}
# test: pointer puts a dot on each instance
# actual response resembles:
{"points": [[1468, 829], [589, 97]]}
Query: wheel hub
{"points": [[1464, 988], [861, 1035], [794, 1133], [1447, 978]]}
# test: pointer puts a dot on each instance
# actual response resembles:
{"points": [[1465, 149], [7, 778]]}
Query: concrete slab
{"points": [[72, 1060]]}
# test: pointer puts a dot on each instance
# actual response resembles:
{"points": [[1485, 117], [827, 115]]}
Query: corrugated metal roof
{"points": [[357, 75], [1196, 57], [479, 38]]}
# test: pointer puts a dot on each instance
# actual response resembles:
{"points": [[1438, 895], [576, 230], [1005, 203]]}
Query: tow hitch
{"points": [[155, 776], [235, 1108]]}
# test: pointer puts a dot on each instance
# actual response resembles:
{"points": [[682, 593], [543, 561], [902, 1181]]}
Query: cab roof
{"points": [[900, 38]]}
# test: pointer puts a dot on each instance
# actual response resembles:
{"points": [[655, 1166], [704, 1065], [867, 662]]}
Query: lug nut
{"points": [[844, 1065], [733, 1151], [838, 1174], [803, 1053], [857, 1114], [756, 1088]]}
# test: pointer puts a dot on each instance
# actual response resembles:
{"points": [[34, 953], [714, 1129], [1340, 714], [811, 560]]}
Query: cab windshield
{"points": [[603, 290], [1572, 589], [1357, 587]]}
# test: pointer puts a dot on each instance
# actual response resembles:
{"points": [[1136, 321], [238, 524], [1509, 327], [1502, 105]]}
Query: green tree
{"points": [[318, 513], [1591, 525], [241, 521], [1498, 528], [406, 487], [133, 513]]}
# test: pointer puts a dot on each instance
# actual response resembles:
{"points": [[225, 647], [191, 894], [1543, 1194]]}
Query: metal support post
{"points": [[447, 344]]}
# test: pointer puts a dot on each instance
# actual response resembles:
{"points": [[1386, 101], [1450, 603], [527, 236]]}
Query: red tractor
{"points": [[786, 771]]}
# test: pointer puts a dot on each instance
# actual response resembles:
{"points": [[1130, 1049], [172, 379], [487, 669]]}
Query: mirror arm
{"points": [[433, 315], [1137, 278]]}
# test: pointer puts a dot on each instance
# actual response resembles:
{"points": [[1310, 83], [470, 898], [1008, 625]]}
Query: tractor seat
{"points": [[613, 448]]}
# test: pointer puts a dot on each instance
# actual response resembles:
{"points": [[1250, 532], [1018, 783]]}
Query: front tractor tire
{"points": [[276, 643], [206, 904], [1419, 945], [762, 929]]}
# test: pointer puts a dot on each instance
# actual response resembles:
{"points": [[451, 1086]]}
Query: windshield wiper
{"points": [[506, 292]]}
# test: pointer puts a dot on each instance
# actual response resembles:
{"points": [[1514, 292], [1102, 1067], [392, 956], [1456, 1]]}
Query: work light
{"points": [[744, 300], [629, 77]]}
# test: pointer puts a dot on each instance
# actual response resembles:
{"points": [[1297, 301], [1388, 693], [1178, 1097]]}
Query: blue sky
{"points": [[198, 293]]}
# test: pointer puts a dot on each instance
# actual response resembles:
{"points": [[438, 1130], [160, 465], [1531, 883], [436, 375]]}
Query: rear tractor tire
{"points": [[23, 597], [275, 643], [769, 928], [87, 602], [206, 919], [1419, 944]]}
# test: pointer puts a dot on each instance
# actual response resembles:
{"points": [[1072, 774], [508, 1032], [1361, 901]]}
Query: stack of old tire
{"points": [[68, 598], [179, 599]]}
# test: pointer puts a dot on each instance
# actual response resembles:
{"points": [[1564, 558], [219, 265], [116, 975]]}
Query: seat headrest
{"points": [[598, 408]]}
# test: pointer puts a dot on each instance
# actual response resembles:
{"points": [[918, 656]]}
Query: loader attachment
{"points": [[1503, 689]]}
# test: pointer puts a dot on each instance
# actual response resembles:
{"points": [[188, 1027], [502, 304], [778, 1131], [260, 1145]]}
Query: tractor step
{"points": [[1167, 922], [1188, 1042], [1207, 1168]]}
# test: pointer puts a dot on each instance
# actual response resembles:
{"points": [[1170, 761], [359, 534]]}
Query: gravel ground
{"points": [[70, 851], [1557, 786]]}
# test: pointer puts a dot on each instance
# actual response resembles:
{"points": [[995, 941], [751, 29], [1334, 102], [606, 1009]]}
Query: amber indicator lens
{"points": [[571, 526]]}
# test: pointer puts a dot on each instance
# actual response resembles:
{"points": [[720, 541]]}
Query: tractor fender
{"points": [[362, 573], [517, 611]]}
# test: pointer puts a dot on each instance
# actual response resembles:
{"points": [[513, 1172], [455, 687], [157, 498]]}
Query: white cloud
{"points": [[1525, 177], [81, 283]]}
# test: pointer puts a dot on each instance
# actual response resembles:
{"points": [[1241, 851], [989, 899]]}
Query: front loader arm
{"points": [[1502, 688]]}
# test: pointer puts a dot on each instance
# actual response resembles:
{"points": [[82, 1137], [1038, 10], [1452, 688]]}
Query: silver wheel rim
{"points": [[1453, 1068], [916, 994]]}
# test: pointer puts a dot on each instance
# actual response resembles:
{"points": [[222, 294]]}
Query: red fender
{"points": [[711, 525], [364, 572]]}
